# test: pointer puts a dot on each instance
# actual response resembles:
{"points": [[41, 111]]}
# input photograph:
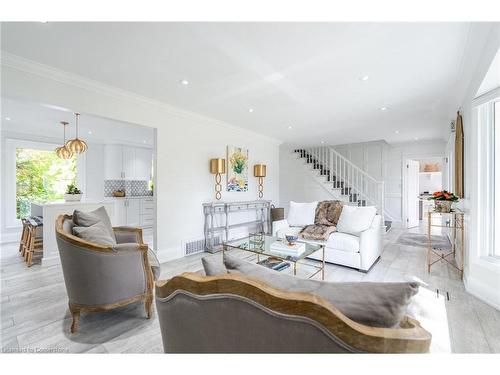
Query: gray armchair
{"points": [[102, 278]]}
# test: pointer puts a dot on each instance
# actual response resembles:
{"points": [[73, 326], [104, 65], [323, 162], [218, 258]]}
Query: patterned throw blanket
{"points": [[325, 221]]}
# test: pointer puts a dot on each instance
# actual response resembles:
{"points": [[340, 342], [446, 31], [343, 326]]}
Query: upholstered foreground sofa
{"points": [[246, 308], [102, 277], [356, 249]]}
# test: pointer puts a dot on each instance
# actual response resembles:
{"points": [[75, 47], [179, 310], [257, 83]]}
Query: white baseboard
{"points": [[486, 293], [166, 255], [10, 237]]}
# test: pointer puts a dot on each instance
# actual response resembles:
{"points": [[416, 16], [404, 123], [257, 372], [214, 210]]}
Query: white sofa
{"points": [[359, 252]]}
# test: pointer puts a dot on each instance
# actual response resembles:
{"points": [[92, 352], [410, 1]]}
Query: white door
{"points": [[143, 159], [133, 212], [129, 162], [113, 162], [412, 193]]}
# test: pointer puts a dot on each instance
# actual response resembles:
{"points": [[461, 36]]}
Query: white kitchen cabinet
{"points": [[120, 213], [113, 162], [129, 170], [127, 212], [134, 212], [127, 163], [143, 159]]}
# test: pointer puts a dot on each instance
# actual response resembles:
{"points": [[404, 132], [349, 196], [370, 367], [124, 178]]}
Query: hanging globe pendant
{"points": [[63, 152], [76, 146]]}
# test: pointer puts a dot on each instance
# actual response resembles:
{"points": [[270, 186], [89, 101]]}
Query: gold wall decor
{"points": [[218, 167], [76, 146], [63, 152], [259, 170]]}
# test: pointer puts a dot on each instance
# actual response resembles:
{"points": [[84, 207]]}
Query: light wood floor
{"points": [[35, 316]]}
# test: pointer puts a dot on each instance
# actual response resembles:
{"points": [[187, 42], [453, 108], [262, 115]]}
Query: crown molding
{"points": [[16, 62]]}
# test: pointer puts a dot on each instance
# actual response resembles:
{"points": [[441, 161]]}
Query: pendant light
{"points": [[76, 146], [63, 152]]}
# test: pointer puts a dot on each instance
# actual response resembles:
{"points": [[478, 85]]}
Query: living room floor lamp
{"points": [[259, 170], [218, 167]]}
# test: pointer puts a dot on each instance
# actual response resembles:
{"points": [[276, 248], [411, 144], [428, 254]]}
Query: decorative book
{"points": [[274, 264], [286, 249]]}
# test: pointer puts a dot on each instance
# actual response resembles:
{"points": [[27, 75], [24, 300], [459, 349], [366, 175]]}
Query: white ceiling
{"points": [[44, 121], [304, 75]]}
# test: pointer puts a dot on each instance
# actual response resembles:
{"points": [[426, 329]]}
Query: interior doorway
{"points": [[422, 177]]}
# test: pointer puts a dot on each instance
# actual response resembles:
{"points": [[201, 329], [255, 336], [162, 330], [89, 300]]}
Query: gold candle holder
{"points": [[218, 167], [259, 170]]}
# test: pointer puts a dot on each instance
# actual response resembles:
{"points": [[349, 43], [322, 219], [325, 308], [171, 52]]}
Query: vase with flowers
{"points": [[444, 200]]}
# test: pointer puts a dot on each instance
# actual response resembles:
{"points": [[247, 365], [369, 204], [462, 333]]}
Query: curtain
{"points": [[459, 156]]}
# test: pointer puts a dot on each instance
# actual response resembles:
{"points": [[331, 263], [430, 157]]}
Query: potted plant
{"points": [[444, 200], [73, 194]]}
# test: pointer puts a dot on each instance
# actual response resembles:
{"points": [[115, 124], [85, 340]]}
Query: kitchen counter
{"points": [[129, 197], [51, 210]]}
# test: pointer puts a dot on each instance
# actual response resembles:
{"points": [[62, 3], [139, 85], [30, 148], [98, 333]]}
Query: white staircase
{"points": [[341, 178]]}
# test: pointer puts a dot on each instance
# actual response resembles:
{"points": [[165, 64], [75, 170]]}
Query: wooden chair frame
{"points": [[147, 297], [410, 338]]}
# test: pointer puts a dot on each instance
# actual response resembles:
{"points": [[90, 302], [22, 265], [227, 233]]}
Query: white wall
{"points": [[295, 182], [482, 274], [430, 182], [185, 142]]}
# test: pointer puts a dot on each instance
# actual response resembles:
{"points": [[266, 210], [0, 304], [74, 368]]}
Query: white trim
{"points": [[169, 254], [10, 60], [490, 96], [11, 237], [485, 292]]}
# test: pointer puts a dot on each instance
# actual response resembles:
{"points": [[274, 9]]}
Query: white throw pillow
{"points": [[301, 214], [354, 220]]}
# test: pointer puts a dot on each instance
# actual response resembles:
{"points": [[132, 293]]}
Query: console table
{"points": [[219, 220], [456, 223]]}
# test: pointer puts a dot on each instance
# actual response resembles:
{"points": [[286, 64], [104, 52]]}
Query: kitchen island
{"points": [[50, 211]]}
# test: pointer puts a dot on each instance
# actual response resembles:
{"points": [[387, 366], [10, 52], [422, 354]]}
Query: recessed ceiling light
{"points": [[7, 118], [144, 141], [289, 126], [184, 82], [396, 131], [364, 78], [322, 141], [416, 138], [383, 108], [90, 131], [250, 110]]}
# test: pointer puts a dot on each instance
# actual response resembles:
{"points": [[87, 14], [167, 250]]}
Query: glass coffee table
{"points": [[260, 245]]}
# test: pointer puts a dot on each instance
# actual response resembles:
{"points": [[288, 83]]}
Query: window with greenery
{"points": [[41, 176]]}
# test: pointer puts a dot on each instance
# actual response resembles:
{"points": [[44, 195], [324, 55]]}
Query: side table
{"points": [[455, 224]]}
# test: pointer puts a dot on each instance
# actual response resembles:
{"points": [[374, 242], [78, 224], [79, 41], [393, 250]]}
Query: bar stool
{"points": [[24, 237], [35, 238]]}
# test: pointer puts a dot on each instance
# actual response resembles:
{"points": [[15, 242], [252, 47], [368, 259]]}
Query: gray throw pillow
{"points": [[97, 233], [372, 304], [213, 266], [87, 219]]}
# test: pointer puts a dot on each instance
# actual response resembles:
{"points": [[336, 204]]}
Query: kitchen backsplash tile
{"points": [[132, 188]]}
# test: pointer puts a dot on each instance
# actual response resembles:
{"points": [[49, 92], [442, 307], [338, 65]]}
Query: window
{"points": [[41, 176]]}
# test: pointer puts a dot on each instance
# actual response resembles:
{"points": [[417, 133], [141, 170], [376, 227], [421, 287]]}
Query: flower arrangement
{"points": [[444, 196], [444, 199]]}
